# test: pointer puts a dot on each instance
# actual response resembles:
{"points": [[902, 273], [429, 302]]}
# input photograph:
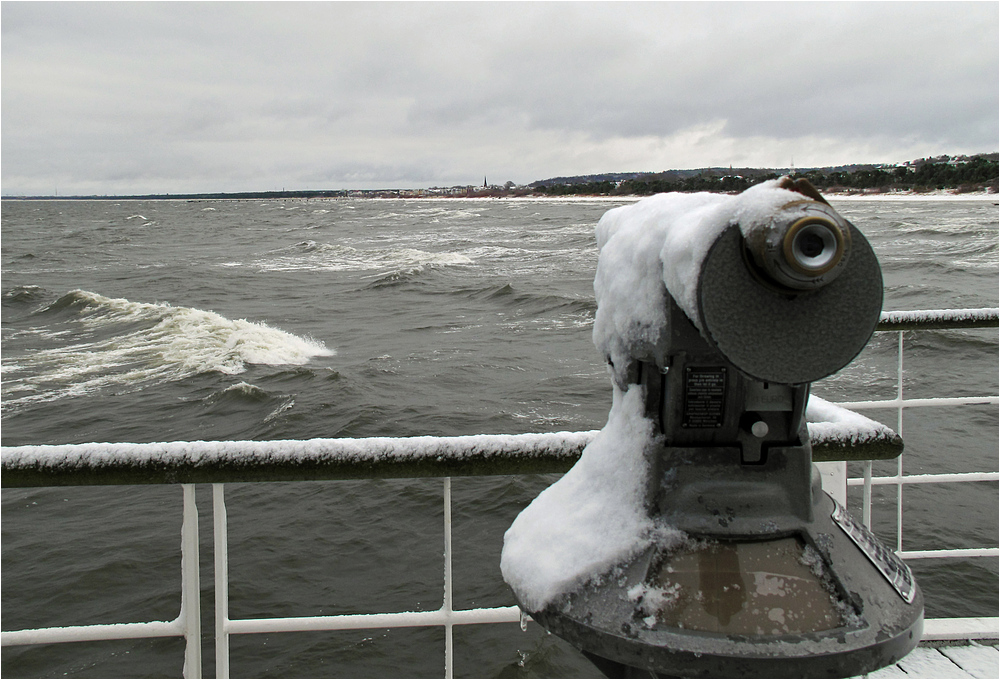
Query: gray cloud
{"points": [[198, 97]]}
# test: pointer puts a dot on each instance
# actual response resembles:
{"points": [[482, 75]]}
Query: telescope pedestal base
{"points": [[825, 601]]}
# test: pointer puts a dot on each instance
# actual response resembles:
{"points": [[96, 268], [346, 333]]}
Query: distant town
{"points": [[955, 174]]}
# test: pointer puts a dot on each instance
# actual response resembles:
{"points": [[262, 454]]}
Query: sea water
{"points": [[181, 320]]}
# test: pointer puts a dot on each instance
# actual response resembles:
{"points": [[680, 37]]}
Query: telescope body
{"points": [[748, 568], [774, 579]]}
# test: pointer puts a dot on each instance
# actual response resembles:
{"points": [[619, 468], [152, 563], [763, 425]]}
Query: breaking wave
{"points": [[123, 345]]}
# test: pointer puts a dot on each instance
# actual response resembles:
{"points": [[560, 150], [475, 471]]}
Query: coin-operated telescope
{"points": [[775, 579]]}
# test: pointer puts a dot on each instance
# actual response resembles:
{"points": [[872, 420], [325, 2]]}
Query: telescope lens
{"points": [[810, 245], [813, 247]]}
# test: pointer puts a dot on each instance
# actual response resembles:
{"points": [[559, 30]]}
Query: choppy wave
{"points": [[124, 345], [532, 302], [313, 256], [240, 392], [243, 400], [23, 295]]}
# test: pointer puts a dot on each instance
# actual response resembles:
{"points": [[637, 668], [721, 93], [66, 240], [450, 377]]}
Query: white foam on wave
{"points": [[439, 212], [313, 256], [148, 343], [240, 390]]}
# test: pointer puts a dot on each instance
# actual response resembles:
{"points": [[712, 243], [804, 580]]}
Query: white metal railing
{"points": [[186, 625], [899, 479], [445, 616], [423, 457]]}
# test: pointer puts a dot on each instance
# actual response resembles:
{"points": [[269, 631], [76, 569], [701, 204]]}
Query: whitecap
{"points": [[143, 343], [313, 256]]}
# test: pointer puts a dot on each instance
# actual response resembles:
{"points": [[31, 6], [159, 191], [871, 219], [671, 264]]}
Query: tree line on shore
{"points": [[974, 173]]}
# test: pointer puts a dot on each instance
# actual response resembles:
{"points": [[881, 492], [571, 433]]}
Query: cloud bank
{"points": [[184, 97]]}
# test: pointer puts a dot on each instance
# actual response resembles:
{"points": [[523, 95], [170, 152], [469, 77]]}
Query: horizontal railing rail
{"points": [[291, 460], [364, 458], [939, 319], [946, 319], [188, 463]]}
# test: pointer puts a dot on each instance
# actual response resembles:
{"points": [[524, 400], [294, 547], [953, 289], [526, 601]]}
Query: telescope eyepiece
{"points": [[813, 246], [804, 248]]}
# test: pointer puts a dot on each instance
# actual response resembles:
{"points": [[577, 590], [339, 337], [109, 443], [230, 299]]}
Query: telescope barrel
{"points": [[806, 246]]}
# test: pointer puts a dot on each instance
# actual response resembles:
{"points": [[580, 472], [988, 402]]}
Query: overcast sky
{"points": [[188, 97]]}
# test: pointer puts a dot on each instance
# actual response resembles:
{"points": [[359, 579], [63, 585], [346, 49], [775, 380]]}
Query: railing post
{"points": [[221, 536], [448, 644], [866, 500], [899, 460], [190, 585]]}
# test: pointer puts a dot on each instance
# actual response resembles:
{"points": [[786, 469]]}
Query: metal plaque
{"points": [[886, 561], [704, 396]]}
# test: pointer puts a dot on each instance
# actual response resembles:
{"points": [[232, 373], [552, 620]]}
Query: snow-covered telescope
{"points": [[708, 547]]}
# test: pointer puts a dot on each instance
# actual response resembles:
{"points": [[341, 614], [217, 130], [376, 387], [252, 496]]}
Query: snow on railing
{"points": [[927, 319], [836, 437], [363, 458], [291, 460]]}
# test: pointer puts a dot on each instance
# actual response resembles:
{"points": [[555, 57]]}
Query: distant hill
{"points": [[962, 173], [684, 174]]}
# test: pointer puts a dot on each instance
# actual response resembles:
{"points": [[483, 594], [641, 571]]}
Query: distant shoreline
{"points": [[927, 178]]}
